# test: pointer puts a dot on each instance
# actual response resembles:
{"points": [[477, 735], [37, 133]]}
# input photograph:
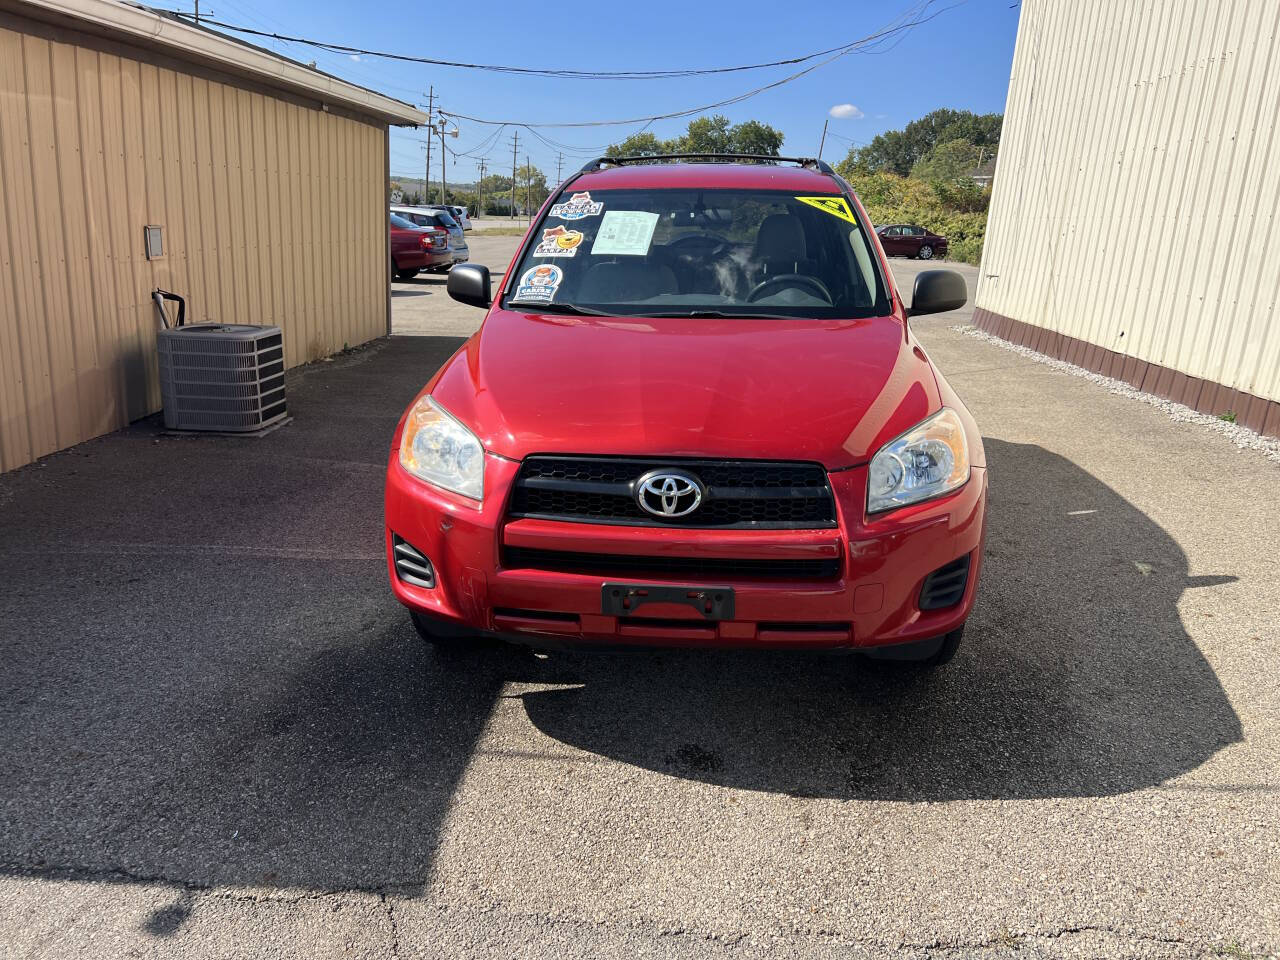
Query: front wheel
{"points": [[451, 641], [926, 252], [920, 655]]}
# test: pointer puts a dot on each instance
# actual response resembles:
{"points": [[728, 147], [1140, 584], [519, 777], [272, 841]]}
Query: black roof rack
{"points": [[807, 162]]}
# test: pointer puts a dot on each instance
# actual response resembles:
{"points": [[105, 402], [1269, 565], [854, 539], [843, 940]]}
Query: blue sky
{"points": [[959, 59]]}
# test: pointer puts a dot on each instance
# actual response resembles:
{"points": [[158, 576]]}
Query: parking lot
{"points": [[218, 729]]}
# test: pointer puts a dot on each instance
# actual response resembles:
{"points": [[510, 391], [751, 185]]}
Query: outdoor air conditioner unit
{"points": [[220, 376]]}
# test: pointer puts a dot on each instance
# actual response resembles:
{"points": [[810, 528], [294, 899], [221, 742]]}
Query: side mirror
{"points": [[469, 284], [936, 291]]}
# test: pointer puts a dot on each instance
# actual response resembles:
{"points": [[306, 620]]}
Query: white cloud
{"points": [[354, 56], [846, 111]]}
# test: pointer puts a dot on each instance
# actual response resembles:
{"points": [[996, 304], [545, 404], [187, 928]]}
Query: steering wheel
{"points": [[789, 280], [697, 244]]}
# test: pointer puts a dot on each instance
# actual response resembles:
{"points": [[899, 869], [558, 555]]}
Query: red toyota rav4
{"points": [[695, 414]]}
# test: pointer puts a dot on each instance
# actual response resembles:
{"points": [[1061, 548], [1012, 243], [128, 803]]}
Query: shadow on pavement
{"points": [[206, 679], [1076, 677]]}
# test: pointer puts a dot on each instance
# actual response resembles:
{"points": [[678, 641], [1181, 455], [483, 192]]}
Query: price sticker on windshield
{"points": [[625, 233], [836, 206]]}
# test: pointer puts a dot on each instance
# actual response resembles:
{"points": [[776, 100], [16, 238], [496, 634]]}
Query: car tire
{"points": [[926, 252], [406, 274], [449, 640], [919, 655]]}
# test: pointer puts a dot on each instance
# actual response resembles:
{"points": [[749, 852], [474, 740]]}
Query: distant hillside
{"points": [[414, 185]]}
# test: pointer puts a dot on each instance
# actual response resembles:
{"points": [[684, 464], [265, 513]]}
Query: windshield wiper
{"points": [[719, 315], [572, 308]]}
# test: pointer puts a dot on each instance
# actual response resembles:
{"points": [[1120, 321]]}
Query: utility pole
{"points": [[528, 185], [444, 155], [426, 177], [823, 141], [515, 145], [197, 13], [480, 211], [559, 164]]}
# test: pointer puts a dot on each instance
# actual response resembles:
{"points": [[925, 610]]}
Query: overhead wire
{"points": [[904, 21], [729, 101]]}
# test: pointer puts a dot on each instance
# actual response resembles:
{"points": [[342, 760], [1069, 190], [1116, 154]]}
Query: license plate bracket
{"points": [[624, 599]]}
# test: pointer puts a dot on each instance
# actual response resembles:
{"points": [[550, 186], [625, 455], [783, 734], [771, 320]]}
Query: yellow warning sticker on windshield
{"points": [[836, 206]]}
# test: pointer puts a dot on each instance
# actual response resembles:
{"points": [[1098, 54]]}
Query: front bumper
{"points": [[873, 601]]}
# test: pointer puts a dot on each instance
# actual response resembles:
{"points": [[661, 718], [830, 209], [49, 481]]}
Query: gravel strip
{"points": [[1241, 436]]}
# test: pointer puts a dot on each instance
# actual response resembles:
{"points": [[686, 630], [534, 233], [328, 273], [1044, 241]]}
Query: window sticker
{"points": [[538, 284], [836, 206], [558, 242], [625, 233], [576, 207]]}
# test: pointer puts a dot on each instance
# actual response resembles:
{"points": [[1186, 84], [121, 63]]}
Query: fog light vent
{"points": [[411, 566], [945, 586]]}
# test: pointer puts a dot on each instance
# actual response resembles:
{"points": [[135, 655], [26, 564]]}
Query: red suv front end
{"points": [[663, 452]]}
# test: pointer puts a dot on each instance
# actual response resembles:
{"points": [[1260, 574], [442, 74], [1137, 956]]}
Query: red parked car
{"points": [[695, 414], [909, 240], [415, 248]]}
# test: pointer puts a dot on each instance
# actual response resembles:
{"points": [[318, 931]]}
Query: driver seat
{"points": [[781, 247]]}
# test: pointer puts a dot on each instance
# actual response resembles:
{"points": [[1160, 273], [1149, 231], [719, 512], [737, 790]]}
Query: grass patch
{"points": [[500, 232]]}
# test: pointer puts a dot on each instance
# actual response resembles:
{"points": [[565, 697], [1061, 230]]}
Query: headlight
{"points": [[925, 462], [438, 449]]}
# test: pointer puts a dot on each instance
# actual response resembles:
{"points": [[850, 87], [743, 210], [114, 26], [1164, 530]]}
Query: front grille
{"points": [[739, 493], [698, 568], [945, 586]]}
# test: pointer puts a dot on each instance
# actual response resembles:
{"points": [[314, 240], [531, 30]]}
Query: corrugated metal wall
{"points": [[1136, 200], [273, 213]]}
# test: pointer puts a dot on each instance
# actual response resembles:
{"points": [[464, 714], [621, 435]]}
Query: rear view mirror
{"points": [[937, 291], [469, 284]]}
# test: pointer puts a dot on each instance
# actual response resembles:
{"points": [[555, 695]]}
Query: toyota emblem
{"points": [[669, 494]]}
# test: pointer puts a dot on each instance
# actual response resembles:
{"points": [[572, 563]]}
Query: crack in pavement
{"points": [[387, 893]]}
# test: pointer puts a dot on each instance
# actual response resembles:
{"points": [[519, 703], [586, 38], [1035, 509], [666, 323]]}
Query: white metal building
{"points": [[1133, 227]]}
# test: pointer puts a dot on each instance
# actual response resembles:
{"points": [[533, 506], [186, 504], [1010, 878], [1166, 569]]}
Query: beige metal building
{"points": [[267, 178], [1133, 228]]}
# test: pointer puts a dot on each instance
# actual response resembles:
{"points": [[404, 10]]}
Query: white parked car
{"points": [[460, 214]]}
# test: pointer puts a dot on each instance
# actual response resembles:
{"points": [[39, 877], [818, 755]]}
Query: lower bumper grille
{"points": [[612, 564], [945, 586], [411, 566]]}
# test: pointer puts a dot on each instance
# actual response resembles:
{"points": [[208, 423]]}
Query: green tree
{"points": [[755, 137], [898, 151], [639, 145], [707, 135], [713, 134], [531, 186], [947, 161]]}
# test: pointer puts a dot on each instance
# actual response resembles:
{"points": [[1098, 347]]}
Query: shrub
{"points": [[956, 210]]}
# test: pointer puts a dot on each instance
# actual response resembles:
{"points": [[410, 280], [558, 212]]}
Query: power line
{"points": [[832, 133], [677, 114], [559, 72]]}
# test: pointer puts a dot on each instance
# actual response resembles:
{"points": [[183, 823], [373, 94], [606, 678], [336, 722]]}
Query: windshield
{"points": [[397, 220], [686, 252]]}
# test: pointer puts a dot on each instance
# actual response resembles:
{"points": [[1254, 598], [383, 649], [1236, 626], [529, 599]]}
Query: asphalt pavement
{"points": [[219, 735]]}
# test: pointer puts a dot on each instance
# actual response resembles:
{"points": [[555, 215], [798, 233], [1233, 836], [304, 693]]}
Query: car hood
{"points": [[831, 391]]}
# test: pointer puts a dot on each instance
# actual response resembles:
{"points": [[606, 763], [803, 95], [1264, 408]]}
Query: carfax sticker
{"points": [[538, 284], [558, 242], [576, 207], [836, 206]]}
